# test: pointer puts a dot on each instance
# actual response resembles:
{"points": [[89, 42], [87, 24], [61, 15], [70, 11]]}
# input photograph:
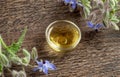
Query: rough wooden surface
{"points": [[97, 55]]}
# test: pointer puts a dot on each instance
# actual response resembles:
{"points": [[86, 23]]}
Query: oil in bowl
{"points": [[63, 35]]}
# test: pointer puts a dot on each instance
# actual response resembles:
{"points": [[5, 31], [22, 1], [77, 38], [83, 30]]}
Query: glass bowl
{"points": [[63, 35]]}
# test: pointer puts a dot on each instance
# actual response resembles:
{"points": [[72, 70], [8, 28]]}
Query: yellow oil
{"points": [[63, 36]]}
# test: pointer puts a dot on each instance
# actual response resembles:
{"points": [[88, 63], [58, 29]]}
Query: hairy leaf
{"points": [[22, 74], [87, 7], [115, 26], [34, 53], [16, 60], [26, 59], [16, 46], [4, 61]]}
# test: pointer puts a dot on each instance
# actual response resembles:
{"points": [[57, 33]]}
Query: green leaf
{"points": [[103, 0], [86, 12], [115, 26], [112, 3], [16, 46], [26, 59], [20, 40], [116, 1], [19, 73], [5, 47], [107, 14], [4, 61], [115, 20], [15, 73], [3, 43], [22, 74], [1, 69], [34, 53], [87, 7], [26, 53], [16, 60]]}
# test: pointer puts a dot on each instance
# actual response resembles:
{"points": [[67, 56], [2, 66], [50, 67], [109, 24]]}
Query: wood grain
{"points": [[97, 55]]}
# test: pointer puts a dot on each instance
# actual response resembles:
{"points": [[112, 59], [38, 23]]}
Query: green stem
{"points": [[117, 10], [3, 43], [9, 70], [3, 74], [23, 68], [31, 66], [0, 48]]}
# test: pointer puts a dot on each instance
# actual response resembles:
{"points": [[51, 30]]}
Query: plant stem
{"points": [[3, 43], [30, 65], [3, 74], [9, 70], [0, 48]]}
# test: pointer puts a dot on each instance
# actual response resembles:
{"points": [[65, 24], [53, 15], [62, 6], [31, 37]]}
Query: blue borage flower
{"points": [[73, 3], [94, 26], [44, 66]]}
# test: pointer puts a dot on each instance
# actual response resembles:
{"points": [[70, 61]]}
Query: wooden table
{"points": [[97, 55]]}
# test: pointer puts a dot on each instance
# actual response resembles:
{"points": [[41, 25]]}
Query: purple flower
{"points": [[73, 3], [94, 26], [67, 1], [90, 24], [44, 66]]}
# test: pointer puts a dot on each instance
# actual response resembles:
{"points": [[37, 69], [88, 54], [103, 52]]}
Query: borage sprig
{"points": [[108, 8], [8, 56]]}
